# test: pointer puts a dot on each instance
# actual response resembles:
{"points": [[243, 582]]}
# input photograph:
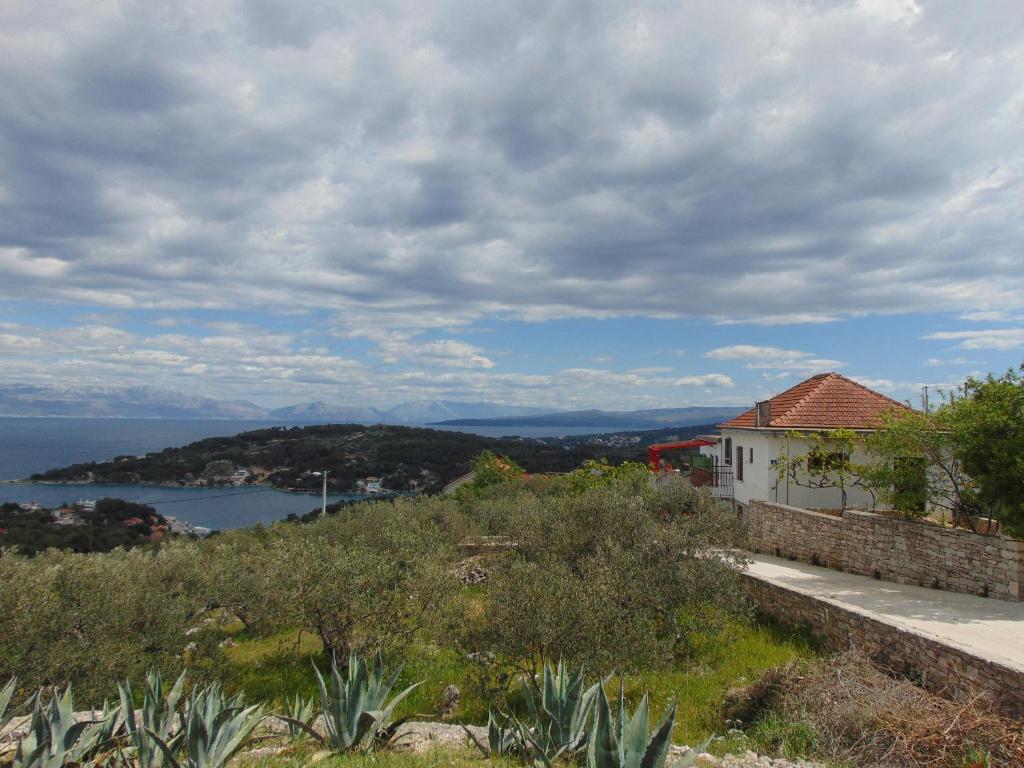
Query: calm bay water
{"points": [[219, 508], [29, 445]]}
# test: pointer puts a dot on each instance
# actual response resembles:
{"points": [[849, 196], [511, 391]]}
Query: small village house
{"points": [[750, 445]]}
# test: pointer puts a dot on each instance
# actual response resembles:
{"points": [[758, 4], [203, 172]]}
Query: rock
{"points": [[422, 737], [471, 571], [449, 702]]}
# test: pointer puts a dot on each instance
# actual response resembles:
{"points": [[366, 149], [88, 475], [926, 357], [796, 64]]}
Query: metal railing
{"points": [[718, 480]]}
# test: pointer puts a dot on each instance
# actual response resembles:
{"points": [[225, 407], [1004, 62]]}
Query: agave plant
{"points": [[100, 738], [54, 738], [215, 728], [356, 710], [300, 714], [560, 721], [503, 738], [159, 716], [624, 742], [6, 694]]}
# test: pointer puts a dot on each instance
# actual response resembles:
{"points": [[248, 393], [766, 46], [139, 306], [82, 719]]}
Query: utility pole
{"points": [[323, 505]]}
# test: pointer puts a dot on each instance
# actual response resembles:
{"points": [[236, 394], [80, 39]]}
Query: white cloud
{"points": [[987, 316], [426, 164], [395, 346], [994, 338], [774, 358], [706, 380]]}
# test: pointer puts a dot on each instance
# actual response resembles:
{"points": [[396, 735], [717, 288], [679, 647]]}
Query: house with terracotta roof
{"points": [[752, 443]]}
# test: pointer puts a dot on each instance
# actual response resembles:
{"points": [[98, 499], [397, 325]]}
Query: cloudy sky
{"points": [[577, 204]]}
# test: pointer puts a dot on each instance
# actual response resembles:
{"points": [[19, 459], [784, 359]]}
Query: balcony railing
{"points": [[718, 480]]}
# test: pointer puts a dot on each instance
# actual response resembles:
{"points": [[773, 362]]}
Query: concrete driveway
{"points": [[988, 628]]}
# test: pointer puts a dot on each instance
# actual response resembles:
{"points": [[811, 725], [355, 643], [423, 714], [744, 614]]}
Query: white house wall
{"points": [[760, 476]]}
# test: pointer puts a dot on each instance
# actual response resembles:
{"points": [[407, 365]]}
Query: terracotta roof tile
{"points": [[825, 401]]}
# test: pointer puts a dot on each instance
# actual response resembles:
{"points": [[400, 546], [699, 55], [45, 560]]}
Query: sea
{"points": [[29, 445]]}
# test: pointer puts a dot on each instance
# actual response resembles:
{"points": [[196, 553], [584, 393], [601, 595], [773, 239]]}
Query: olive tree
{"points": [[359, 584], [614, 579], [90, 620]]}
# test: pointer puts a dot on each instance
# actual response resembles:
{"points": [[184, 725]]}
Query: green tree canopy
{"points": [[988, 428]]}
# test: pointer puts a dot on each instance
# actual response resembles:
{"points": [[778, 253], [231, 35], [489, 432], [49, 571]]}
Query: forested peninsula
{"points": [[397, 458]]}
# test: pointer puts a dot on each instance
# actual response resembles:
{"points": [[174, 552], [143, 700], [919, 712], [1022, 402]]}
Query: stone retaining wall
{"points": [[940, 668], [904, 551]]}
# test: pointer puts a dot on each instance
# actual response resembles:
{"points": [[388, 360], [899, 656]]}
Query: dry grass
{"points": [[854, 712]]}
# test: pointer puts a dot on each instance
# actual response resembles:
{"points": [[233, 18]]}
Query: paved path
{"points": [[988, 628]]}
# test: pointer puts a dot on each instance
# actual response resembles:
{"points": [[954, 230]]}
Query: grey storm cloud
{"points": [[448, 160]]}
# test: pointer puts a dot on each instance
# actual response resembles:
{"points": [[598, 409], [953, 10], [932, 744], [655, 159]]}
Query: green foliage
{"points": [[827, 463], [489, 470], [612, 578], [914, 465], [625, 740], [131, 610], [356, 708], [6, 694], [372, 580], [54, 738], [988, 429], [215, 729], [97, 530], [299, 711], [600, 474], [505, 736], [156, 730], [965, 457], [790, 738], [619, 576], [560, 720]]}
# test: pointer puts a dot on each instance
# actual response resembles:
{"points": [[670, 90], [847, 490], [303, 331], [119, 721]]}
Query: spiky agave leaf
{"points": [[54, 737], [6, 694], [356, 708], [158, 715], [624, 741], [503, 738], [99, 738], [560, 723], [215, 729], [299, 710]]}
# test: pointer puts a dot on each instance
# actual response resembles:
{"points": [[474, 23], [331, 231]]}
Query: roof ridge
{"points": [[868, 389], [822, 377]]}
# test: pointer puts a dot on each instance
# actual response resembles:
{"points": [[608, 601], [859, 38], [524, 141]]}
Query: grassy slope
{"points": [[274, 668]]}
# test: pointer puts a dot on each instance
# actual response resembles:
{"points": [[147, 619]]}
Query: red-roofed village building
{"points": [[751, 443]]}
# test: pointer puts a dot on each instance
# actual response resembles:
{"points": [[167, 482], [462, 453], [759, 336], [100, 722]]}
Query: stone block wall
{"points": [[940, 668], [903, 551]]}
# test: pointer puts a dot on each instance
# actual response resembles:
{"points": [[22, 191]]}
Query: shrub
{"points": [[369, 582], [89, 620], [613, 579]]}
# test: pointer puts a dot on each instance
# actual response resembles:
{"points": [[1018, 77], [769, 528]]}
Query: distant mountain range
{"points": [[417, 412], [119, 402], [156, 403], [655, 418]]}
